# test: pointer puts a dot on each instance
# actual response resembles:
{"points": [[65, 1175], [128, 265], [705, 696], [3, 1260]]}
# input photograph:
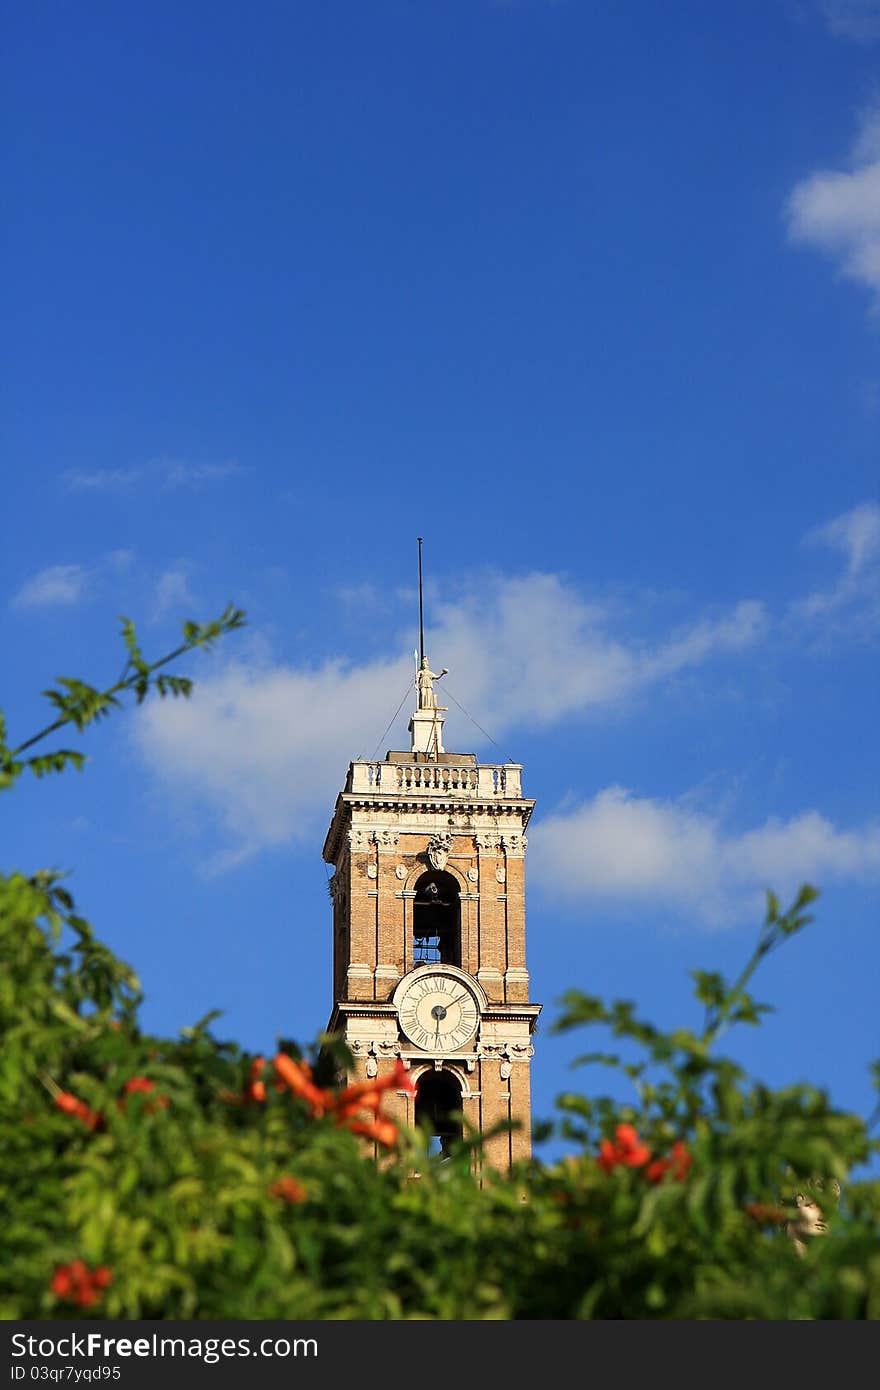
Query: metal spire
{"points": [[421, 610]]}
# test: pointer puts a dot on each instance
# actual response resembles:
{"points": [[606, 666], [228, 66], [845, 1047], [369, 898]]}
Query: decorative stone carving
{"points": [[504, 1070], [372, 871], [372, 1067], [473, 875], [487, 839], [386, 839], [810, 1219], [401, 871], [514, 844], [500, 875], [359, 840], [506, 1052], [439, 849]]}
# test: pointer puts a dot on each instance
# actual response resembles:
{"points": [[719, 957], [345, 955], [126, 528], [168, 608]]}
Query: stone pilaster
{"points": [[491, 930]]}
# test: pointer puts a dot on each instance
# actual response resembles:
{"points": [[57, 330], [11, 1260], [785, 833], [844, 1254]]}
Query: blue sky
{"points": [[587, 297]]}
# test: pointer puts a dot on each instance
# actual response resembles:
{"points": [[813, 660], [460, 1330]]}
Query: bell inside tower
{"points": [[438, 1108], [437, 920]]}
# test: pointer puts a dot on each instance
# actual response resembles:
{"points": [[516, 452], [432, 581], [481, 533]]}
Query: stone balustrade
{"points": [[480, 781]]}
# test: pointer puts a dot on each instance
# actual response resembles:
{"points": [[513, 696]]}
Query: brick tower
{"points": [[429, 935]]}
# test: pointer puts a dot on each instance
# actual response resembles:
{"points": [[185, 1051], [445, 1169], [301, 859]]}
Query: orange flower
{"points": [[382, 1131], [75, 1283], [142, 1085], [304, 1068], [765, 1214], [628, 1151], [346, 1106], [72, 1105], [657, 1170], [61, 1282], [289, 1190], [358, 1089], [633, 1153], [69, 1103], [297, 1077], [678, 1163], [607, 1155], [400, 1078], [397, 1079], [138, 1083], [256, 1089], [367, 1095]]}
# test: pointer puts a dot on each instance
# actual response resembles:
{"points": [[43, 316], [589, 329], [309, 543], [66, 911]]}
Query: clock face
{"points": [[438, 1013]]}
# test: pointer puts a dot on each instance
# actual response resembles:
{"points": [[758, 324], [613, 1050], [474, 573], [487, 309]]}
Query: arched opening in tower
{"points": [[437, 920], [438, 1108]]}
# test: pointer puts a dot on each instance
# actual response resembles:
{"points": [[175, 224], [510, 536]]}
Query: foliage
{"points": [[80, 704], [184, 1178]]}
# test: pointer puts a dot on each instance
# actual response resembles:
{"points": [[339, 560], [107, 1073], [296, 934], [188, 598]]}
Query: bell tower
{"points": [[429, 936]]}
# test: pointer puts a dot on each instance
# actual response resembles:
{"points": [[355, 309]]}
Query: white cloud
{"points": [[264, 747], [856, 593], [853, 19], [120, 561], [177, 474], [173, 591], [627, 850], [363, 597], [57, 586], [742, 628], [855, 533], [838, 210], [103, 479], [65, 585], [533, 650], [166, 474]]}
